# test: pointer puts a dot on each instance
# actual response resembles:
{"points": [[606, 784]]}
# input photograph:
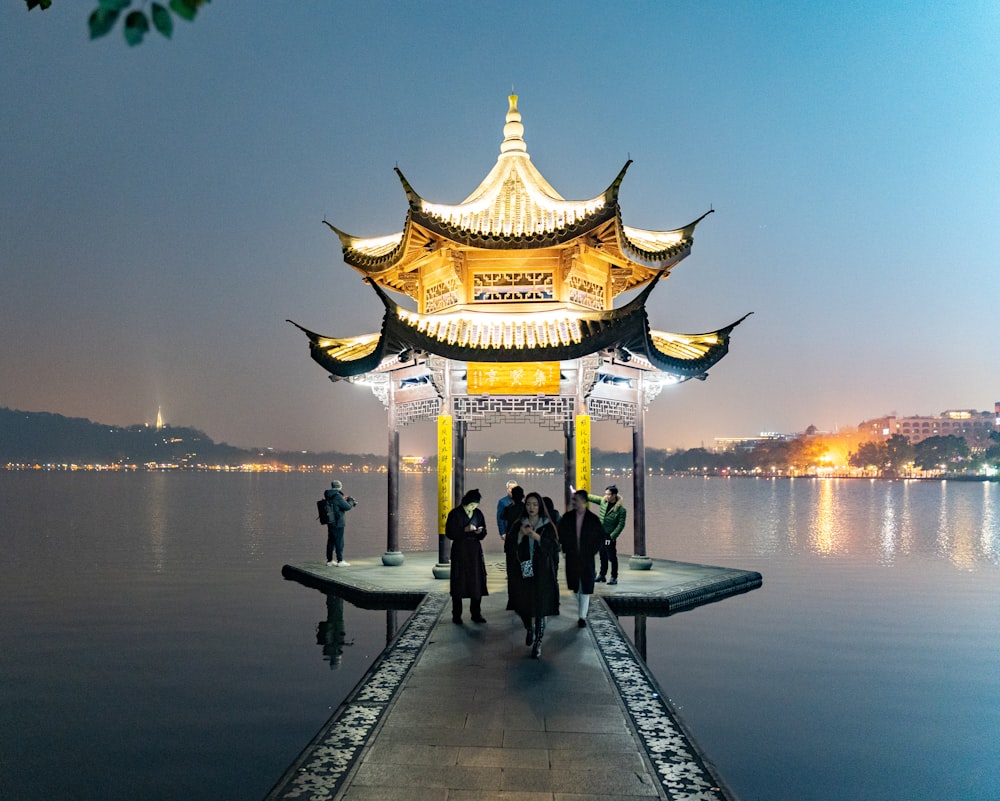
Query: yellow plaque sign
{"points": [[513, 378], [583, 451], [444, 471]]}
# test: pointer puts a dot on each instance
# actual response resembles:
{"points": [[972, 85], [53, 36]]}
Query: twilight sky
{"points": [[161, 206]]}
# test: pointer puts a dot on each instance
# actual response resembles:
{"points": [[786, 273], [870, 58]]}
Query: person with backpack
{"points": [[336, 506]]}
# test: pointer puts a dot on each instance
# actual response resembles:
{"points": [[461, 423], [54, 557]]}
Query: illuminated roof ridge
{"points": [[514, 208], [561, 334], [514, 199]]}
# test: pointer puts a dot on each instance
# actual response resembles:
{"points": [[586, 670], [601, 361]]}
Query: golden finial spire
{"points": [[513, 131]]}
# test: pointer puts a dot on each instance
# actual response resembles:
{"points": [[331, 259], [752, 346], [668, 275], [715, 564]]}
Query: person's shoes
{"points": [[613, 581], [529, 638], [331, 563], [456, 620], [479, 619], [342, 563], [600, 578], [536, 650], [581, 623]]}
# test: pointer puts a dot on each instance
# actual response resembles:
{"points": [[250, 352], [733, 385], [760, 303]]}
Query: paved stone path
{"points": [[455, 713]]}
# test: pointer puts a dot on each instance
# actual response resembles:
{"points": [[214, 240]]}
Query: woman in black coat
{"points": [[533, 540], [466, 528], [581, 535]]}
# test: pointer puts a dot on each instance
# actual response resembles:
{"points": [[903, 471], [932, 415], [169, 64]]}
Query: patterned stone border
{"points": [[320, 770], [683, 772]]}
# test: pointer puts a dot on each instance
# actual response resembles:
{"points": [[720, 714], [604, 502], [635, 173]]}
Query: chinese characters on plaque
{"points": [[513, 378]]}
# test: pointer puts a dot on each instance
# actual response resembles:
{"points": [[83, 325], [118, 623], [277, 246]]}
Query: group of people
{"points": [[534, 534]]}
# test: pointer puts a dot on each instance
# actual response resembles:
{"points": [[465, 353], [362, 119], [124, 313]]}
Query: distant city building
{"points": [[973, 426], [749, 443]]}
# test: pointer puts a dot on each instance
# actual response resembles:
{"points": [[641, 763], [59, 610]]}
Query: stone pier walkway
{"points": [[455, 713]]}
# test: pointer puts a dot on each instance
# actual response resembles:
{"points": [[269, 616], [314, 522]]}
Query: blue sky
{"points": [[161, 206]]}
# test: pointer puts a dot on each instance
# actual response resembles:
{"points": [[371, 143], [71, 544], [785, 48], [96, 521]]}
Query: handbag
{"points": [[527, 568]]}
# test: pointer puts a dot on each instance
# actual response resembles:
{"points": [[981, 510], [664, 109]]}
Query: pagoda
{"points": [[515, 321]]}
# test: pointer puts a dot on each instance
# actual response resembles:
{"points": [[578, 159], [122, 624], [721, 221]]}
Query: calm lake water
{"points": [[149, 647]]}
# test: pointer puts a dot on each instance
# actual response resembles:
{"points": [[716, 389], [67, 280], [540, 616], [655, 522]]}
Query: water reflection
{"points": [[989, 537], [943, 536], [254, 511], [888, 530], [791, 530], [331, 634], [906, 525], [157, 516], [956, 521], [414, 510], [964, 526], [766, 535], [639, 635], [823, 529]]}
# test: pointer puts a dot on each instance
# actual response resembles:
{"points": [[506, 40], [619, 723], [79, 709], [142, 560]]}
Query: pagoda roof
{"points": [[517, 273], [515, 207], [558, 334]]}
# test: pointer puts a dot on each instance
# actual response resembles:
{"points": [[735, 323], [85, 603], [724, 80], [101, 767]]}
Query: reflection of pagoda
{"points": [[515, 322]]}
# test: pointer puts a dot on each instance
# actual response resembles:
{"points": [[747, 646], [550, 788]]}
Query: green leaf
{"points": [[184, 9], [136, 26], [42, 4], [101, 21], [162, 20], [114, 5]]}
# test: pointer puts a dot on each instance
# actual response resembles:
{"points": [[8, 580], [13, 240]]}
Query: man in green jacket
{"points": [[612, 516]]}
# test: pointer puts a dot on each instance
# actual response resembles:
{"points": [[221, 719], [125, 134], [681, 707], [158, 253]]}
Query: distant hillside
{"points": [[46, 438]]}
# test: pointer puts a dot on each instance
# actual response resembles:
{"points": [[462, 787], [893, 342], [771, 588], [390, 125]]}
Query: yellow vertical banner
{"points": [[583, 451], [445, 468]]}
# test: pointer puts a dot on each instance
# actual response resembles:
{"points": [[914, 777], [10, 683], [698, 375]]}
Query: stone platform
{"points": [[460, 712], [665, 588]]}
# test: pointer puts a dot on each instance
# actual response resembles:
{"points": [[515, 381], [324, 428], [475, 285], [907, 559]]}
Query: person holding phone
{"points": [[466, 528], [533, 585]]}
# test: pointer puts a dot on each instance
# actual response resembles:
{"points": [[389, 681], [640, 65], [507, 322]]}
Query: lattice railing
{"points": [[512, 286], [442, 295], [416, 411], [585, 293], [551, 412], [618, 411]]}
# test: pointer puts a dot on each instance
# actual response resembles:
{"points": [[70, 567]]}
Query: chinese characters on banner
{"points": [[583, 451], [513, 378], [444, 454]]}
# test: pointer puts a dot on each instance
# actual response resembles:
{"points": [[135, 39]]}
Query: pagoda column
{"points": [[460, 432], [392, 556], [639, 560]]}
